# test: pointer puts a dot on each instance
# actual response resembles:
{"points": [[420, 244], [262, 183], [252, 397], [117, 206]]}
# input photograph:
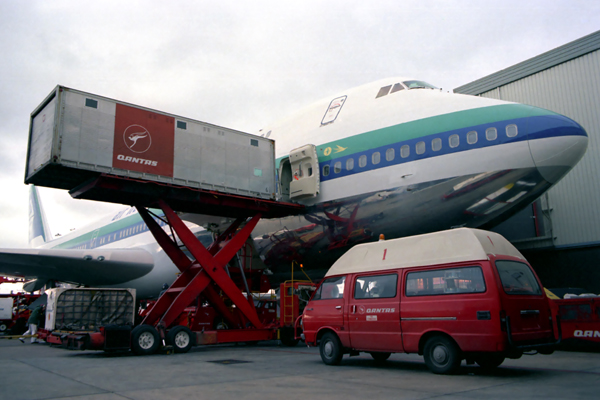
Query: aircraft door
{"points": [[285, 177], [305, 180]]}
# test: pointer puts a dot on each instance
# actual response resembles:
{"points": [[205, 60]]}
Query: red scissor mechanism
{"points": [[204, 275]]}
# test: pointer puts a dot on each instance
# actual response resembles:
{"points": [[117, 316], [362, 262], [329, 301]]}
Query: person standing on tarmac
{"points": [[33, 321]]}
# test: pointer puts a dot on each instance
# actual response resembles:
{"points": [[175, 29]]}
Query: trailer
{"points": [[580, 319], [89, 318], [105, 319]]}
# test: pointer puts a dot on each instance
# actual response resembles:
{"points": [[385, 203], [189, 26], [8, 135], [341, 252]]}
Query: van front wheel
{"points": [[331, 349], [442, 355]]}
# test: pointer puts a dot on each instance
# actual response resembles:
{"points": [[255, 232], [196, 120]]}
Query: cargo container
{"points": [[71, 309], [76, 136], [90, 318]]}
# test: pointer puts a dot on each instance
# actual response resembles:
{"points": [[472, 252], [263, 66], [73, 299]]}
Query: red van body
{"points": [[483, 305]]}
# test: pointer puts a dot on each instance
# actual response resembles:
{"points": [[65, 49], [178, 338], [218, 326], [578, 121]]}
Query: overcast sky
{"points": [[244, 64]]}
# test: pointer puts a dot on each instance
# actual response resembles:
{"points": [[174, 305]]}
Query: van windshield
{"points": [[517, 278]]}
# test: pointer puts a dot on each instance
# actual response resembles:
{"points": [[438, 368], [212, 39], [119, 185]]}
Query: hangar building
{"points": [[560, 232]]}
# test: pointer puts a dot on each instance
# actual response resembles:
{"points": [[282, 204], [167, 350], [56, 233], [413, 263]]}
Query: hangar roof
{"points": [[549, 59]]}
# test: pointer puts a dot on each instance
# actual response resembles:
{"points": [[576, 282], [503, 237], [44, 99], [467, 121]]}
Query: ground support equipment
{"points": [[204, 282], [205, 275]]}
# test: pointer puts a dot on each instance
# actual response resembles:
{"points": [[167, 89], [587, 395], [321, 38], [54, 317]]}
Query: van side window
{"points": [[332, 288], [445, 281], [378, 286], [517, 278]]}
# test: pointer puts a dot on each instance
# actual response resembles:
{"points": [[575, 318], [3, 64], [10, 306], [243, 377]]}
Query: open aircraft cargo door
{"points": [[305, 178]]}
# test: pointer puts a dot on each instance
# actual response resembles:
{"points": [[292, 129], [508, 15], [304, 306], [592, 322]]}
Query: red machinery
{"points": [[206, 296], [205, 278], [580, 320], [15, 313]]}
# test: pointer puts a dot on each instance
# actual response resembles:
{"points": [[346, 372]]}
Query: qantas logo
{"points": [[380, 310], [137, 138], [363, 309]]}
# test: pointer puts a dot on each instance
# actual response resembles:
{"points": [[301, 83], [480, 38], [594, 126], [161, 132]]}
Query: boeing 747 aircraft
{"points": [[396, 157]]}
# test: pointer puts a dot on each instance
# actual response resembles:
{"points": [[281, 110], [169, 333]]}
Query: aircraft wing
{"points": [[87, 267]]}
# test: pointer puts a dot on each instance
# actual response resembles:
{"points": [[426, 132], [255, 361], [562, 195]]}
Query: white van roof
{"points": [[455, 245]]}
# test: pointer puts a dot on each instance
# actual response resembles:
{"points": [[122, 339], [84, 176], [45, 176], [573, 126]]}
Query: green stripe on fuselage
{"points": [[118, 225], [427, 126]]}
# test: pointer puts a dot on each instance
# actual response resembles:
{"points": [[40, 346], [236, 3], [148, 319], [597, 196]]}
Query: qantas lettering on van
{"points": [[380, 310], [587, 334]]}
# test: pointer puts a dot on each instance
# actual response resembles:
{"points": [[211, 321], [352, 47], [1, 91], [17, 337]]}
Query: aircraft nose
{"points": [[556, 143]]}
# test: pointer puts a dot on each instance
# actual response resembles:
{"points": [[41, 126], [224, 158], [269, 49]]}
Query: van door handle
{"points": [[338, 307], [484, 315], [530, 312], [309, 309]]}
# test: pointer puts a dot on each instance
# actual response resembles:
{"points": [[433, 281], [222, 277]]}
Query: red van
{"points": [[452, 295]]}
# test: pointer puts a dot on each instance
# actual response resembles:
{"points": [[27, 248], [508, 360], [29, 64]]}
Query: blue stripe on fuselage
{"points": [[529, 128]]}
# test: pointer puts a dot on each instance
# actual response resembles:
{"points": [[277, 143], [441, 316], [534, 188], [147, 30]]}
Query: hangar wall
{"points": [[565, 80]]}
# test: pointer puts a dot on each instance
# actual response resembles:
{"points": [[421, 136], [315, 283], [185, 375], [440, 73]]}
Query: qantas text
{"points": [[137, 160]]}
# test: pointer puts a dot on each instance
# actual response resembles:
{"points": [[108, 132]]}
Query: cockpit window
{"points": [[418, 85], [397, 87], [383, 91]]}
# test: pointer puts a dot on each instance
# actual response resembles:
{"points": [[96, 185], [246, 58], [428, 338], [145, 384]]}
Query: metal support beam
{"points": [[202, 275]]}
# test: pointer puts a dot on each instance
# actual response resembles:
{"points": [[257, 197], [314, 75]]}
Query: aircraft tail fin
{"points": [[39, 232]]}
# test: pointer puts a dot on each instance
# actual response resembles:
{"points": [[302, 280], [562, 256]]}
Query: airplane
{"points": [[396, 157]]}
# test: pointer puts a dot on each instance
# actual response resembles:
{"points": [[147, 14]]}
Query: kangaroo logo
{"points": [[137, 138]]}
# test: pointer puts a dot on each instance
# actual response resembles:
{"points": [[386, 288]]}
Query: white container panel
{"points": [[6, 306], [75, 135]]}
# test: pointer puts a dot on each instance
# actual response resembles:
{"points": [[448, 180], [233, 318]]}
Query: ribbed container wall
{"points": [[572, 89]]}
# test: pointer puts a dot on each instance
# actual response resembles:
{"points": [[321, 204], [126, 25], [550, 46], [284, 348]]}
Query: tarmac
{"points": [[270, 371]]}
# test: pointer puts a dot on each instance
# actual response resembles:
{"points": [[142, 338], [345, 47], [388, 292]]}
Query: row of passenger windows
{"points": [[116, 236], [436, 145]]}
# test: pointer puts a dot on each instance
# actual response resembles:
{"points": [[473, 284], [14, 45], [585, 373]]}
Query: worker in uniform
{"points": [[165, 286], [33, 322]]}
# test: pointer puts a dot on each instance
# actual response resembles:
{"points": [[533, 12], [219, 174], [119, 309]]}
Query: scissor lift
{"points": [[205, 274], [107, 150]]}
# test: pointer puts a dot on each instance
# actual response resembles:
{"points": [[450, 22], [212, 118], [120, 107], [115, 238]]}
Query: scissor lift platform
{"points": [[204, 275], [144, 193]]}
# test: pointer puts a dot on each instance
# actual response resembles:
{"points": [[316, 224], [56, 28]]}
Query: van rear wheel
{"points": [[331, 349], [442, 355], [489, 361], [380, 356]]}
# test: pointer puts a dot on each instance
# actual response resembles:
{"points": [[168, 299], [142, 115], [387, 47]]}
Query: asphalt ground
{"points": [[270, 371]]}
